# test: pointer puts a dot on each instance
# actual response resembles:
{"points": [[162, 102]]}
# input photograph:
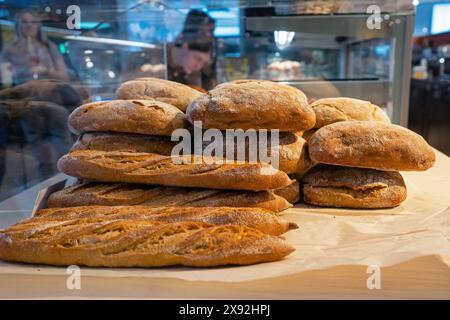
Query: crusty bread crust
{"points": [[128, 142], [331, 110], [253, 104], [183, 171], [291, 193], [291, 150], [174, 93], [133, 116], [263, 220], [122, 194], [138, 243], [371, 145], [334, 186]]}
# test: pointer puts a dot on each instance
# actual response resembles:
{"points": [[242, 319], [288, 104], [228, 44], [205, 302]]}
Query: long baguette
{"points": [[123, 194], [183, 171], [138, 243], [263, 220]]}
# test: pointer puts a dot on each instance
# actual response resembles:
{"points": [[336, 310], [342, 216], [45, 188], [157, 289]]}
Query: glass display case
{"points": [[359, 49]]}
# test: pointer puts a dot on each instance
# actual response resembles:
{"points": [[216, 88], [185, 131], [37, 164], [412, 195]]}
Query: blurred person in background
{"points": [[191, 58], [32, 55]]}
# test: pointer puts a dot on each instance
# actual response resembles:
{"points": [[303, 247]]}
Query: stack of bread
{"points": [[357, 154], [138, 205]]}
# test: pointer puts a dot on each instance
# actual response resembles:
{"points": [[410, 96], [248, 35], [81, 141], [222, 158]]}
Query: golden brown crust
{"points": [[182, 171], [291, 193], [331, 110], [133, 116], [122, 194], [127, 142], [138, 243], [174, 93], [334, 186], [371, 145], [263, 220], [253, 104], [291, 151]]}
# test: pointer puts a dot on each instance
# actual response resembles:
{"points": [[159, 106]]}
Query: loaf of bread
{"points": [[334, 186], [123, 194], [291, 193], [331, 110], [253, 104], [181, 171], [174, 93], [98, 242], [128, 142], [134, 116], [263, 220], [374, 145], [291, 150]]}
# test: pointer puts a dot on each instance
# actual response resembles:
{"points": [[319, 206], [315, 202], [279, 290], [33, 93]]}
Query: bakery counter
{"points": [[402, 252]]}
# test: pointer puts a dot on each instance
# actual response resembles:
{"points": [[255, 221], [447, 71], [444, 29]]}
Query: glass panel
{"points": [[52, 62]]}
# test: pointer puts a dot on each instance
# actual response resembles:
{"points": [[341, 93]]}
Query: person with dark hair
{"points": [[32, 55], [191, 57]]}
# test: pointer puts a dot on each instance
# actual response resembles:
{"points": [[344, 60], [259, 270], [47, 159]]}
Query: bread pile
{"points": [[137, 205], [357, 154]]}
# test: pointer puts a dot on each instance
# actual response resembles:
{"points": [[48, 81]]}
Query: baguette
{"points": [[183, 171], [138, 243], [331, 110], [263, 220], [253, 104], [133, 116], [373, 145], [174, 93], [122, 194], [334, 186], [128, 142]]}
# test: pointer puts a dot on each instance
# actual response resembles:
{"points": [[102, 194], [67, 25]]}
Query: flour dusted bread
{"points": [[174, 93], [374, 145], [183, 171], [290, 149], [128, 142], [138, 243], [133, 116], [123, 194], [334, 186], [331, 110], [263, 220], [252, 104]]}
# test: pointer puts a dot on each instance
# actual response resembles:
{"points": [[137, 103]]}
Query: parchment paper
{"points": [[330, 237]]}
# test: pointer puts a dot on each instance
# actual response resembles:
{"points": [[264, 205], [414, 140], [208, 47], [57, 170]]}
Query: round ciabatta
{"points": [[331, 110], [133, 116], [374, 145], [335, 186], [253, 104], [174, 93]]}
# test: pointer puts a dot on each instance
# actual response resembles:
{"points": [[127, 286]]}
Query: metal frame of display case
{"points": [[398, 27]]}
